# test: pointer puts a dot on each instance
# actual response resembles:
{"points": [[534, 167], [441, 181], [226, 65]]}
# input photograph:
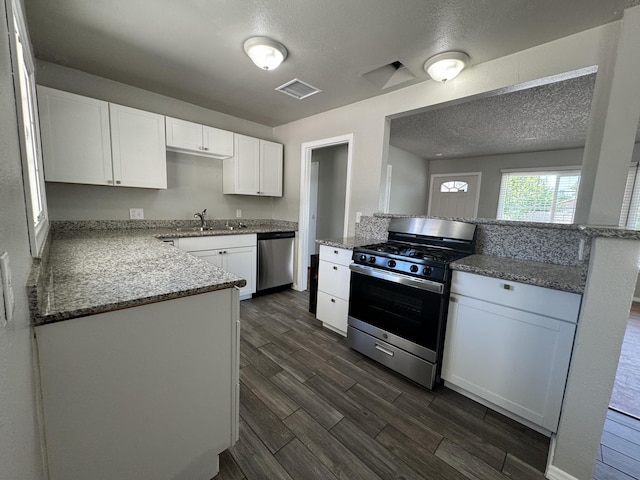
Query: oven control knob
{"points": [[414, 268], [363, 258], [391, 263], [372, 259], [426, 271]]}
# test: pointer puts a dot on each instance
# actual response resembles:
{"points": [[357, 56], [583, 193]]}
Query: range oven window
{"points": [[408, 312]]}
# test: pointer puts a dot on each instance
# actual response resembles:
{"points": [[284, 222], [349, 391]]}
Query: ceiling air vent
{"points": [[298, 89]]}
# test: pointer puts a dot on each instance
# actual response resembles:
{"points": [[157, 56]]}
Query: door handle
{"points": [[386, 351]]}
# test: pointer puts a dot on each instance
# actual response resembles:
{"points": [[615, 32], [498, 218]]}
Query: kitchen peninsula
{"points": [[137, 345]]}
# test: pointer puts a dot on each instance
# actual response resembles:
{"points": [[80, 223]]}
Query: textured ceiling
{"points": [[553, 116], [546, 117], [192, 49]]}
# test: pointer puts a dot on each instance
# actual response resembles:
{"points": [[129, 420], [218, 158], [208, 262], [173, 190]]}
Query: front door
{"points": [[454, 195]]}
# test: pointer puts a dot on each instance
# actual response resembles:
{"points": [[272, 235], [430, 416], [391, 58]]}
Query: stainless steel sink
{"points": [[194, 229]]}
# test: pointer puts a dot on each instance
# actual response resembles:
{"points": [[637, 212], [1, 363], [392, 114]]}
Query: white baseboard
{"points": [[554, 473]]}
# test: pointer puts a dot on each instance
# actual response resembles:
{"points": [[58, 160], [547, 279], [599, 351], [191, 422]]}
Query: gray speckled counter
{"points": [[559, 277], [95, 271], [349, 243]]}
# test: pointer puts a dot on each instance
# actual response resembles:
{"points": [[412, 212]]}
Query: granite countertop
{"points": [[90, 271], [349, 243], [559, 277]]}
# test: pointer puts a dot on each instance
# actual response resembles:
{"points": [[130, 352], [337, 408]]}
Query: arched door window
{"points": [[454, 187]]}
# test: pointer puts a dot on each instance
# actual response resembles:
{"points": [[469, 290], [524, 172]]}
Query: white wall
{"points": [[194, 183], [409, 182], [367, 119], [19, 447], [332, 189], [490, 167]]}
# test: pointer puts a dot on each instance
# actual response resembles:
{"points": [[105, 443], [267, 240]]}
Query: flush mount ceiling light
{"points": [[265, 53], [446, 66]]}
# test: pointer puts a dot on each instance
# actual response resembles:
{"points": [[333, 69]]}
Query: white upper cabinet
{"points": [[255, 169], [189, 137], [138, 148], [76, 143], [90, 141]]}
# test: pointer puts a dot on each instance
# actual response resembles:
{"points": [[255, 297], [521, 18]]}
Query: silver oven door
{"points": [[395, 306]]}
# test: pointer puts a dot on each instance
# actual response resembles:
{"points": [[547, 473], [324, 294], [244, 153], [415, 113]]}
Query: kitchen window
{"points": [[539, 196], [24, 84]]}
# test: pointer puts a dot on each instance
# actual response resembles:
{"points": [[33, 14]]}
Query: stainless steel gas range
{"points": [[400, 294]]}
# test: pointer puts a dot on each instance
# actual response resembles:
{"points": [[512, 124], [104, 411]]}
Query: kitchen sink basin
{"points": [[195, 229]]}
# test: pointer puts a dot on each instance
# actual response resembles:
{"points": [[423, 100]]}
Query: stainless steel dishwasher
{"points": [[275, 261]]}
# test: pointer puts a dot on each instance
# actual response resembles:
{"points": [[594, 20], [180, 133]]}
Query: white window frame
{"points": [[32, 166], [540, 172]]}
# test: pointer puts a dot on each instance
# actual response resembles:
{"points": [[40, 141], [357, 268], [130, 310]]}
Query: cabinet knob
{"points": [[336, 252], [335, 268], [110, 182], [506, 286], [118, 182], [333, 300], [205, 148]]}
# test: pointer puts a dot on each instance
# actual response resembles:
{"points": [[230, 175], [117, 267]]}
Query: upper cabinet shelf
{"points": [[90, 141], [189, 137]]}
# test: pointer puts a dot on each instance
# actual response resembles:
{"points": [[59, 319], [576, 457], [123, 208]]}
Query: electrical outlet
{"points": [[136, 213], [358, 216], [239, 213], [7, 286]]}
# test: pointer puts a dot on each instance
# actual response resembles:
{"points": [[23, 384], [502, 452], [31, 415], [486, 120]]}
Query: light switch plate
{"points": [[136, 213], [239, 213], [7, 287]]}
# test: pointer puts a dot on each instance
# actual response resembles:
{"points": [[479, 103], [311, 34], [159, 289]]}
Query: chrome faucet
{"points": [[203, 218]]}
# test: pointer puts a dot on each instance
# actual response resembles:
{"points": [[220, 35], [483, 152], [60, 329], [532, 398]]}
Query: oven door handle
{"points": [[420, 283]]}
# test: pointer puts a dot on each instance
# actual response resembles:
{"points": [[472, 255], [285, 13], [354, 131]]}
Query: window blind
{"points": [[630, 212], [539, 196]]}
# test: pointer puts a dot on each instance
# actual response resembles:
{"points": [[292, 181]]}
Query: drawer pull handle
{"points": [[506, 286], [386, 351]]}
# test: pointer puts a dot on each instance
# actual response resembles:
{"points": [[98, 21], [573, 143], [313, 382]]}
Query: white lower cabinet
{"points": [[235, 253], [144, 392], [333, 288], [510, 344]]}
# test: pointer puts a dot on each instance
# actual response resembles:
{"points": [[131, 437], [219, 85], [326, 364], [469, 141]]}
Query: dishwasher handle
{"points": [[275, 235]]}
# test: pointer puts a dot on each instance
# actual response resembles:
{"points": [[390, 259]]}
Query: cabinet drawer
{"points": [[531, 298], [334, 279], [340, 256], [333, 312], [192, 244]]}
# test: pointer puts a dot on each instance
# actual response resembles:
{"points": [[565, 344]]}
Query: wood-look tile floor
{"points": [[619, 454], [311, 408]]}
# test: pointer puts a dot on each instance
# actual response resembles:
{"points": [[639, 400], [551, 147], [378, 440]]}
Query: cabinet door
{"points": [[76, 144], [246, 165], [242, 262], [211, 256], [138, 148], [334, 279], [183, 135], [217, 143], [333, 312], [514, 359], [270, 169]]}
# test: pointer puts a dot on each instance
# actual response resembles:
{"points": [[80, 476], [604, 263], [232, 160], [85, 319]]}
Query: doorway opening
{"points": [[325, 192]]}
